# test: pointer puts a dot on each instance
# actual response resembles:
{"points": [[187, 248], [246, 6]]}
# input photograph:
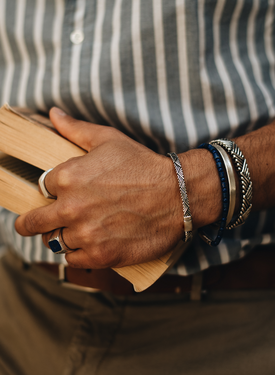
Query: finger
{"points": [[54, 241], [40, 220], [92, 257], [80, 259], [84, 134], [46, 237]]}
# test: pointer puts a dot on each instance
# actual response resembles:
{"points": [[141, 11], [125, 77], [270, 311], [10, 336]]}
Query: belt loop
{"points": [[195, 294], [61, 272]]}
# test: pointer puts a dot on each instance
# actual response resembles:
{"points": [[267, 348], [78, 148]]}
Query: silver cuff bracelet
{"points": [[187, 218]]}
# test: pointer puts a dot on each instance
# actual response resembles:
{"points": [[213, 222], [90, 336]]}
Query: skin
{"points": [[120, 204]]}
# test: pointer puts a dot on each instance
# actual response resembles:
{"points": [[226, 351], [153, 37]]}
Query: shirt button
{"points": [[77, 37]]}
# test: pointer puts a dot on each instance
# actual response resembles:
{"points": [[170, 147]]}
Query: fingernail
{"points": [[58, 111]]}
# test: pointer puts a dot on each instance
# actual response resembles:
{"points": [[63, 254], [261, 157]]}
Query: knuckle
{"points": [[111, 130], [73, 262], [108, 132], [86, 236], [68, 211], [97, 258], [63, 177], [103, 257]]}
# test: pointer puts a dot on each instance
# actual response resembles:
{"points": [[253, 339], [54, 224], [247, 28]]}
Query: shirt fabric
{"points": [[170, 74]]}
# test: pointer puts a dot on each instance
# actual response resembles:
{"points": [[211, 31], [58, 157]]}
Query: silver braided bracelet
{"points": [[245, 181], [187, 218]]}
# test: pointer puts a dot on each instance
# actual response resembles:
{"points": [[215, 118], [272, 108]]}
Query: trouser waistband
{"points": [[255, 271]]}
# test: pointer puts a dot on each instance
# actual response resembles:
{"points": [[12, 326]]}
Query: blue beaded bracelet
{"points": [[225, 196]]}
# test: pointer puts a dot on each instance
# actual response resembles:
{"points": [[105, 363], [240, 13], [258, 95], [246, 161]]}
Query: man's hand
{"points": [[119, 204]]}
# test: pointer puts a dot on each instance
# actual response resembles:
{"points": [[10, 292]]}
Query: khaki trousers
{"points": [[46, 329]]}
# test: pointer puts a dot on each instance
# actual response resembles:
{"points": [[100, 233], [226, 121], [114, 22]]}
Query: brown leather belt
{"points": [[255, 271]]}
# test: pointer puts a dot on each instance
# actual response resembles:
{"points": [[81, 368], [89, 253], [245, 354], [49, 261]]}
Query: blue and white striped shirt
{"points": [[171, 74]]}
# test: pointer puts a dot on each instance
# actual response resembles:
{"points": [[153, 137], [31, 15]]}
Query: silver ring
{"points": [[57, 244], [41, 183]]}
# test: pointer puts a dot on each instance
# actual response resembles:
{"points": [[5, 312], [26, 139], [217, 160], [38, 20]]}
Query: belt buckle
{"points": [[67, 284]]}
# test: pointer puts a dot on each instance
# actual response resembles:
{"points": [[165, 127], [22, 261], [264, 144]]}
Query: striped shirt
{"points": [[170, 74]]}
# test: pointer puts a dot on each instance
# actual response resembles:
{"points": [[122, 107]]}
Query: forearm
{"points": [[259, 150], [203, 183]]}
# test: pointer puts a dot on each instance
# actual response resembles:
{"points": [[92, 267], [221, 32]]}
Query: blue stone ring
{"points": [[57, 244]]}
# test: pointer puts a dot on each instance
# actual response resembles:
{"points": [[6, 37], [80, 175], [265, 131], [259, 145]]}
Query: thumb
{"points": [[83, 134]]}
